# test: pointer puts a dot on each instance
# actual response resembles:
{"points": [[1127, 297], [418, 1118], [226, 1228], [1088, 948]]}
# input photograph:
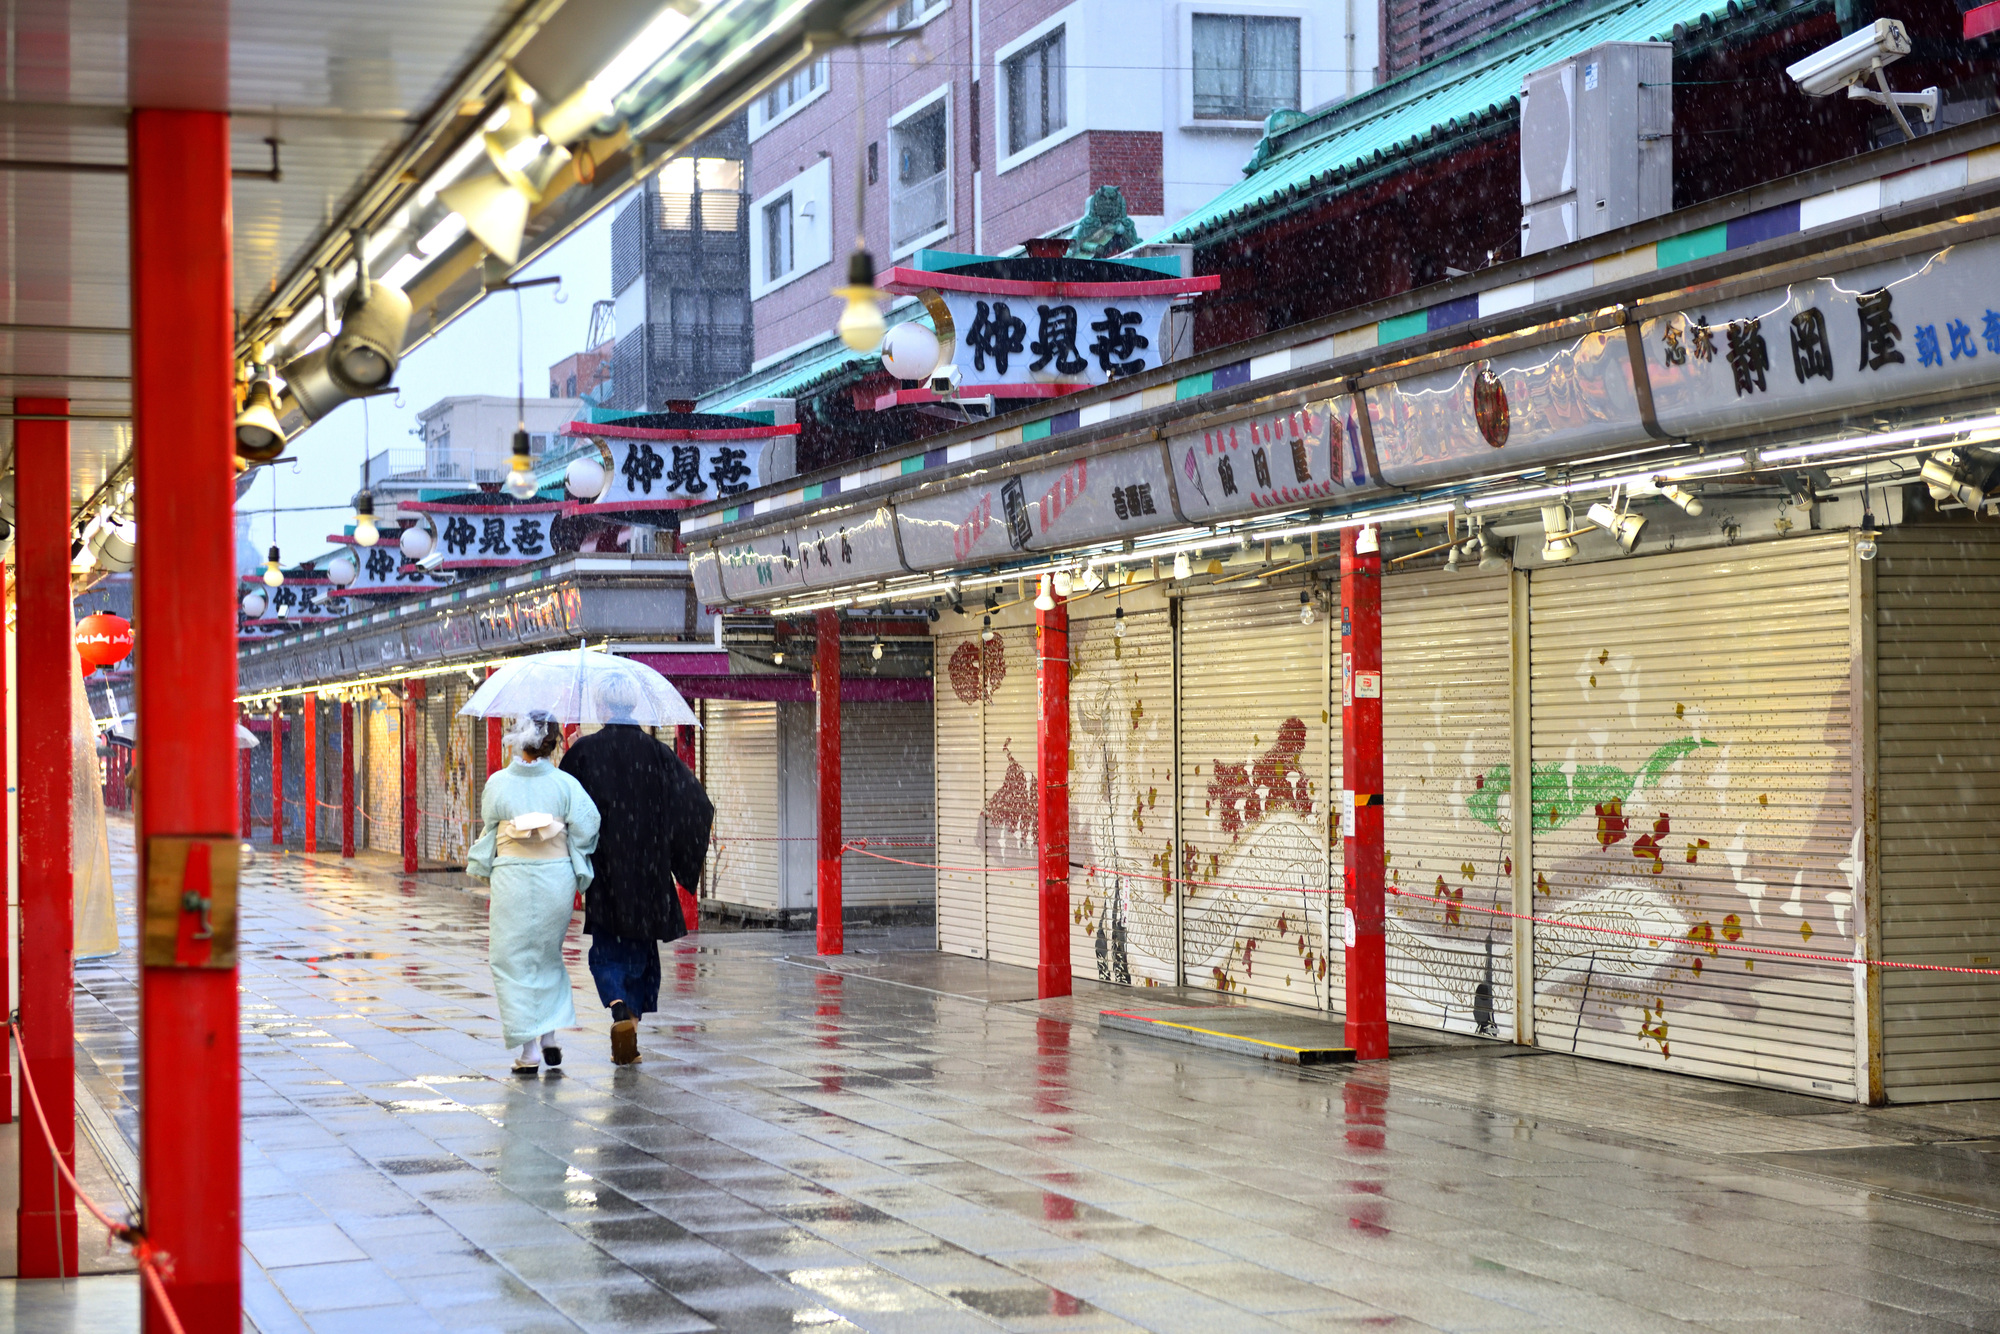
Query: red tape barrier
{"points": [[151, 1262], [1713, 949]]}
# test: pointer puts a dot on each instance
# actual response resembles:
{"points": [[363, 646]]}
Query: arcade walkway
{"points": [[857, 1149]]}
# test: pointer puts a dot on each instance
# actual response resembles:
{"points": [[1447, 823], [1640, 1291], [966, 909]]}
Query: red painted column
{"points": [[347, 778], [1052, 978], [684, 745], [826, 697], [183, 410], [413, 714], [6, 959], [45, 657], [277, 777], [243, 788], [496, 749], [309, 773], [1361, 776]]}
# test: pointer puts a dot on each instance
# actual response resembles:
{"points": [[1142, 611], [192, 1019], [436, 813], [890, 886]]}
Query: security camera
{"points": [[1851, 59], [1856, 57], [944, 380]]}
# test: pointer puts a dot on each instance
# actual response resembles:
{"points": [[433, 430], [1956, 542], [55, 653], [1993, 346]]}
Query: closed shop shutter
{"points": [[886, 796], [1446, 737], [743, 784], [382, 795], [1121, 790], [464, 752], [434, 821], [1692, 780], [1007, 819], [958, 723], [1256, 772], [1938, 788]]}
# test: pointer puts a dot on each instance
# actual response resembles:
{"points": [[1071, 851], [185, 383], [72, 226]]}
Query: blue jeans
{"points": [[627, 970]]}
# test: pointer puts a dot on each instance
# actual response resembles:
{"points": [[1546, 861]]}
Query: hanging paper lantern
{"points": [[586, 478], [88, 666], [103, 639]]}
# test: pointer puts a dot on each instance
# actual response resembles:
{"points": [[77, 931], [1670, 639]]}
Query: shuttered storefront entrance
{"points": [[1447, 732], [742, 781], [1007, 819], [885, 795], [447, 820], [1937, 707], [1258, 732], [382, 794], [1121, 790], [958, 731], [1692, 780]]}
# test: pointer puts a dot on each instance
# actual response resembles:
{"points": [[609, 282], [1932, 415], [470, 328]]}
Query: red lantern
{"points": [[102, 640]]}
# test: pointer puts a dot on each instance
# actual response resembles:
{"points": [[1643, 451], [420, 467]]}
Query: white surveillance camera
{"points": [[944, 380], [1851, 59]]}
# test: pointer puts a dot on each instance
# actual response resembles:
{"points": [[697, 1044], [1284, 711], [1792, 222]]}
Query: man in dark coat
{"points": [[655, 831]]}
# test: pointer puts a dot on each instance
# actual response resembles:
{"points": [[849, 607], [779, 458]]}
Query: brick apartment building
{"points": [[991, 122]]}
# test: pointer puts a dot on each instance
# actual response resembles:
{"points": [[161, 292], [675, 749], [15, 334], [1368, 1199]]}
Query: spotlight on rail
{"points": [[1951, 477], [259, 436], [1556, 543], [1623, 527], [1690, 503]]}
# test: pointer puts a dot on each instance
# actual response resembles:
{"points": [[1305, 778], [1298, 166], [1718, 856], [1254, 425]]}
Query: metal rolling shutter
{"points": [[1007, 823], [464, 747], [1121, 791], [743, 784], [1256, 774], [958, 722], [1446, 730], [382, 794], [1692, 779], [886, 794], [434, 823], [1938, 789]]}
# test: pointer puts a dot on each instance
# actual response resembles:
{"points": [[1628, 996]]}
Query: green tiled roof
{"points": [[1301, 153], [823, 361]]}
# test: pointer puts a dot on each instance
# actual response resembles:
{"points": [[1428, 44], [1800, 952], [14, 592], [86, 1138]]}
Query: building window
{"points": [[800, 84], [1035, 92], [920, 185], [709, 188], [778, 254], [1244, 67], [910, 13]]}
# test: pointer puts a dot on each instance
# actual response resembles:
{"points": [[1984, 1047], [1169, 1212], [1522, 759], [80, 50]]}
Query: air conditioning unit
{"points": [[1597, 145]]}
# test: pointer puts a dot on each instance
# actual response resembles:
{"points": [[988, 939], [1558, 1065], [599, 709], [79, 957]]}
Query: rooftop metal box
{"points": [[1597, 143]]}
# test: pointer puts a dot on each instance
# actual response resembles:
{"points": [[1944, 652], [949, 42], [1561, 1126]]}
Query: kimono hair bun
{"points": [[538, 732]]}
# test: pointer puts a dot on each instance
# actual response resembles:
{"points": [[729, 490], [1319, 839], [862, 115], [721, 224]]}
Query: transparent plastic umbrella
{"points": [[577, 686]]}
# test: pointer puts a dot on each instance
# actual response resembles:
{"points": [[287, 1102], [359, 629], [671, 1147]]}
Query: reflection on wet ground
{"points": [[913, 1144]]}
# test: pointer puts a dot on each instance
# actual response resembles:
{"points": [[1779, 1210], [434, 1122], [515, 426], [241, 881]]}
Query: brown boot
{"points": [[624, 1035]]}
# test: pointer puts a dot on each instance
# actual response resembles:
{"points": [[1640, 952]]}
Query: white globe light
{"points": [[254, 603], [342, 570], [586, 478], [417, 542], [910, 351]]}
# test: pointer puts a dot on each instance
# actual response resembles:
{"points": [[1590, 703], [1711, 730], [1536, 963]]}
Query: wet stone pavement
{"points": [[857, 1149]]}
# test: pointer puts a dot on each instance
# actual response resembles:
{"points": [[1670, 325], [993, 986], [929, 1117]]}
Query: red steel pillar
{"points": [[496, 749], [1052, 978], [413, 719], [6, 779], [184, 409], [243, 788], [277, 776], [309, 773], [347, 778], [1361, 775], [45, 656], [826, 694]]}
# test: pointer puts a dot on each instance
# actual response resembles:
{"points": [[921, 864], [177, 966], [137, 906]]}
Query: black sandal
{"points": [[552, 1057]]}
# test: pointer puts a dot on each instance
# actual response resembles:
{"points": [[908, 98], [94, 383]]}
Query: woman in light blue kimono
{"points": [[540, 829]]}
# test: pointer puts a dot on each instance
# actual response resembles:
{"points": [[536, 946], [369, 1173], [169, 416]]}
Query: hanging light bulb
{"points": [[1118, 624], [875, 650], [253, 603], [1045, 599], [259, 437], [778, 658], [417, 541], [986, 630], [521, 479], [1865, 545], [366, 534], [1305, 606], [860, 325], [273, 576]]}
